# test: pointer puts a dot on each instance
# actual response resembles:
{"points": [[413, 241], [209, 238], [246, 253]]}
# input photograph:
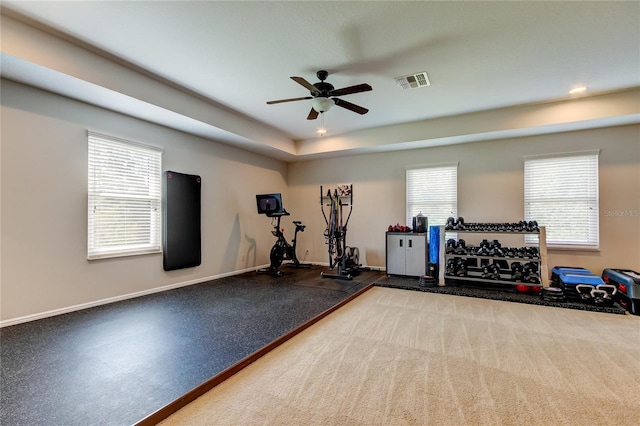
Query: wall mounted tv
{"points": [[269, 204]]}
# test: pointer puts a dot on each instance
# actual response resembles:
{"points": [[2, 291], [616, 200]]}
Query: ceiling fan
{"points": [[324, 95]]}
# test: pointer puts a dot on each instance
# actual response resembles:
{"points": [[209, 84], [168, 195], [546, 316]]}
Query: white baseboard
{"points": [[54, 312], [60, 311]]}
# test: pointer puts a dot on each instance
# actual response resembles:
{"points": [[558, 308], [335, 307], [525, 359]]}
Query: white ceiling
{"points": [[478, 55]]}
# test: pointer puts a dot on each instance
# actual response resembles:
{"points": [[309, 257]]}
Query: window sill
{"points": [[573, 248], [112, 255]]}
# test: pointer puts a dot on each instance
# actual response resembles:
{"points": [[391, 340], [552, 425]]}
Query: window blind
{"points": [[561, 193], [432, 191], [124, 198]]}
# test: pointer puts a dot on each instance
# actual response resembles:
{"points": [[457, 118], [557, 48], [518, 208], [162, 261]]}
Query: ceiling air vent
{"points": [[413, 81]]}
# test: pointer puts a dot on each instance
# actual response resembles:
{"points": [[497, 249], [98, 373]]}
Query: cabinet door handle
{"points": [[410, 243], [400, 243]]}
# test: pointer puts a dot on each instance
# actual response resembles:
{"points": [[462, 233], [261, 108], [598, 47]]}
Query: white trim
{"points": [[60, 311], [433, 165], [122, 253], [91, 133], [572, 248], [595, 152]]}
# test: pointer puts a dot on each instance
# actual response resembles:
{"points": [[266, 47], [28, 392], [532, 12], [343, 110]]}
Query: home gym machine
{"points": [[271, 206], [345, 259]]}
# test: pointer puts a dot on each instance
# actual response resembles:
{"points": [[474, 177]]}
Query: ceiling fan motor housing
{"points": [[323, 89]]}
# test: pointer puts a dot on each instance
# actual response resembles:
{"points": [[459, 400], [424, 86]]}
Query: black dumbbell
{"points": [[516, 271], [495, 249], [471, 250], [451, 267], [461, 247], [483, 250], [451, 222], [495, 269], [461, 267], [530, 273], [491, 271]]}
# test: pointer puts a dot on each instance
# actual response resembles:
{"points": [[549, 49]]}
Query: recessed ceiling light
{"points": [[576, 90]]}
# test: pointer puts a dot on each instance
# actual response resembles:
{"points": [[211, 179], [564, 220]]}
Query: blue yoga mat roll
{"points": [[434, 244]]}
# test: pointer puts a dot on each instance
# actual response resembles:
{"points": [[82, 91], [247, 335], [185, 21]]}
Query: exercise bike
{"points": [[271, 206]]}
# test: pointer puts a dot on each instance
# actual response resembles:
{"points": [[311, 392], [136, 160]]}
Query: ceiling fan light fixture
{"points": [[322, 104]]}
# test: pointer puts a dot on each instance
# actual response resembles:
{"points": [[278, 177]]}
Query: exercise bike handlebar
{"points": [[279, 214], [333, 197]]}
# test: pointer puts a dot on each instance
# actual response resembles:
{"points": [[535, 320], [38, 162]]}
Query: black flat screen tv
{"points": [[269, 204]]}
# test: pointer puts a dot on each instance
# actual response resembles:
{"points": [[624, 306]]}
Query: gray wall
{"points": [[44, 203], [44, 189], [490, 189]]}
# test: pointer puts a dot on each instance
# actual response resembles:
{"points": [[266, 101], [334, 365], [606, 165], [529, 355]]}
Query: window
{"points": [[561, 193], [124, 198], [432, 191]]}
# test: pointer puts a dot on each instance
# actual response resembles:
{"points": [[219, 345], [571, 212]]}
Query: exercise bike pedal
{"points": [[274, 272]]}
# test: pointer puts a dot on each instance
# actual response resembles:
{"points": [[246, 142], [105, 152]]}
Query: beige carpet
{"points": [[398, 357]]}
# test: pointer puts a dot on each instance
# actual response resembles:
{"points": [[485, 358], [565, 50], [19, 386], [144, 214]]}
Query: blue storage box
{"points": [[559, 270], [628, 284], [575, 279], [569, 270]]}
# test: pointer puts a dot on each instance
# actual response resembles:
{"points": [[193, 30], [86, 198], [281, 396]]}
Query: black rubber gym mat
{"points": [[115, 364], [494, 292], [318, 281]]}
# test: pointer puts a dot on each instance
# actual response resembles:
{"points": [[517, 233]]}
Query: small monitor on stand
{"points": [[269, 204]]}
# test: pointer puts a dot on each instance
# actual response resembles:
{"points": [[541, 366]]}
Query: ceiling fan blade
{"points": [[352, 107], [351, 89], [288, 100], [301, 81], [313, 114]]}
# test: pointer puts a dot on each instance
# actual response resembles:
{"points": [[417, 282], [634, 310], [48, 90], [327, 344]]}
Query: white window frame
{"points": [[561, 194], [433, 191], [124, 198]]}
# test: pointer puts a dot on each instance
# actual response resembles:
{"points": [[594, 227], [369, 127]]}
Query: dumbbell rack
{"points": [[543, 271]]}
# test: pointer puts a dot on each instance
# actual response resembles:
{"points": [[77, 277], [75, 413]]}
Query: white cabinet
{"points": [[406, 254]]}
